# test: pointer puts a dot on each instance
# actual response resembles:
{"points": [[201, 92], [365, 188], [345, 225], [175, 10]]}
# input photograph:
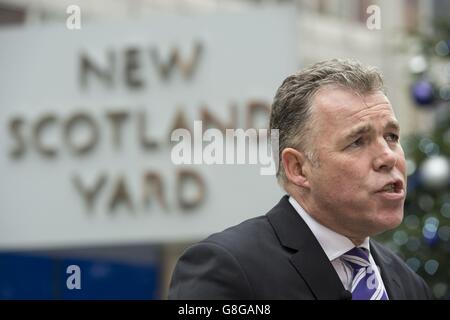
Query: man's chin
{"points": [[389, 222]]}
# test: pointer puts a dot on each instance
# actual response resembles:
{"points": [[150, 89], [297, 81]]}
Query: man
{"points": [[344, 171]]}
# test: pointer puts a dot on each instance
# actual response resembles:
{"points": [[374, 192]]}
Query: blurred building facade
{"points": [[326, 29]]}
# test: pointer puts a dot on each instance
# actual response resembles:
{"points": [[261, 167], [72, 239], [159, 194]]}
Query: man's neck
{"points": [[356, 241], [312, 211]]}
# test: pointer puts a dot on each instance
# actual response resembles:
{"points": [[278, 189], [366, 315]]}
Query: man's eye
{"points": [[392, 137], [357, 143]]}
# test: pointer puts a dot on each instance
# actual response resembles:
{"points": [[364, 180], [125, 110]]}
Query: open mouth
{"points": [[393, 187]]}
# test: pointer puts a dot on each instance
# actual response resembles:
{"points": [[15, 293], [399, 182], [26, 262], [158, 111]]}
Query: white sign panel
{"points": [[86, 116]]}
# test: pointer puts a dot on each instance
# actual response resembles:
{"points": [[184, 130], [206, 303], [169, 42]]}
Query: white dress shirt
{"points": [[335, 245]]}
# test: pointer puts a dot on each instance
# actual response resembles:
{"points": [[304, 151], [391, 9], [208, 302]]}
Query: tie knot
{"points": [[357, 257]]}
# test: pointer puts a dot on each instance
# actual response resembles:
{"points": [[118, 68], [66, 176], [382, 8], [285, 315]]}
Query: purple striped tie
{"points": [[365, 285]]}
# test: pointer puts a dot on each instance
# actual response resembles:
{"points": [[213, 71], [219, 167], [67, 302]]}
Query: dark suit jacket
{"points": [[276, 256]]}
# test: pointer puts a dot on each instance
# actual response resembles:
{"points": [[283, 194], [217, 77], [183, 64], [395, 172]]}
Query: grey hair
{"points": [[292, 105]]}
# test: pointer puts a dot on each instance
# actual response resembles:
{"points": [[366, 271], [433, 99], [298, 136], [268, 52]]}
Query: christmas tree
{"points": [[423, 240]]}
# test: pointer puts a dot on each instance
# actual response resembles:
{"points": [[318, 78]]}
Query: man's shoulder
{"points": [[243, 236], [405, 275], [257, 232], [389, 256]]}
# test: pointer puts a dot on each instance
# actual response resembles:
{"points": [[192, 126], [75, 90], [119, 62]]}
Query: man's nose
{"points": [[385, 157]]}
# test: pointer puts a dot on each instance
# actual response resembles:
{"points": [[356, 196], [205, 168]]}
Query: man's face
{"points": [[358, 185]]}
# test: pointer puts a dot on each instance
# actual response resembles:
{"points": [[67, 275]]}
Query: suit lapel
{"points": [[388, 274], [317, 271], [309, 259]]}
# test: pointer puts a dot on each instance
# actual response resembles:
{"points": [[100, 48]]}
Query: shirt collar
{"points": [[333, 243]]}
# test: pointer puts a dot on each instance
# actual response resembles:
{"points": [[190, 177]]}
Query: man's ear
{"points": [[295, 167]]}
